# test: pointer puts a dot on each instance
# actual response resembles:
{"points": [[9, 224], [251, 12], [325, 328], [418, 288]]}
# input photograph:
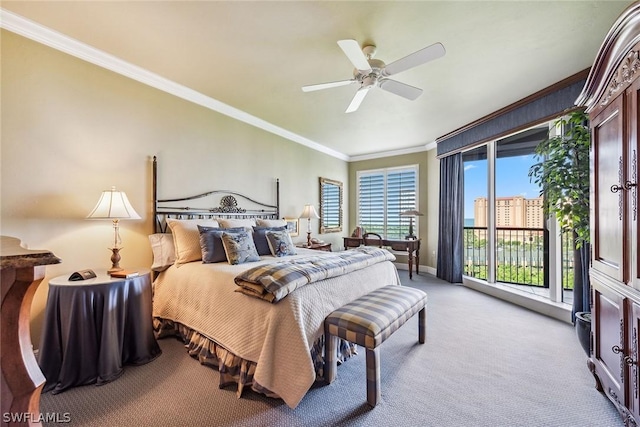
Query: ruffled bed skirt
{"points": [[234, 369]]}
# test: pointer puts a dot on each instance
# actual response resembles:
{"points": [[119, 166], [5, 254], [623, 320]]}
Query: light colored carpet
{"points": [[486, 363]]}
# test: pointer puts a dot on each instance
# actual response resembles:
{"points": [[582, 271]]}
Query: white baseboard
{"points": [[405, 266], [430, 270]]}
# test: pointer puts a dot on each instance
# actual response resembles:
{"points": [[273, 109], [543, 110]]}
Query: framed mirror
{"points": [[330, 206]]}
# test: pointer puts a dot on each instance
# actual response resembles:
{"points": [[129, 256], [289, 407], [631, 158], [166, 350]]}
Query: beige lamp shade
{"points": [[309, 212], [411, 212], [113, 204]]}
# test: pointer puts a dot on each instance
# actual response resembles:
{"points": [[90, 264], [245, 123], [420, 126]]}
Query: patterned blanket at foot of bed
{"points": [[273, 282]]}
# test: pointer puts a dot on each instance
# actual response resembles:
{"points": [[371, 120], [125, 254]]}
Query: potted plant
{"points": [[563, 175]]}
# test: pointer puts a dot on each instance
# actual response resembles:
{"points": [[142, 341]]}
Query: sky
{"points": [[512, 179]]}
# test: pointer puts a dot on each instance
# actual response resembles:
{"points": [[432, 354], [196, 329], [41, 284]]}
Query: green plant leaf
{"points": [[562, 172]]}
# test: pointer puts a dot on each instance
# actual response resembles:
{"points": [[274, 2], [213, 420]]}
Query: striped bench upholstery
{"points": [[368, 321]]}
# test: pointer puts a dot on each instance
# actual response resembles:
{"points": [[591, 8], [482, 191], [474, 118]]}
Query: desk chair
{"points": [[372, 239]]}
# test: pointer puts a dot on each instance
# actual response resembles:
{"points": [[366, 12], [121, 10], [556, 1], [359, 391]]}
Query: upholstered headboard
{"points": [[230, 204]]}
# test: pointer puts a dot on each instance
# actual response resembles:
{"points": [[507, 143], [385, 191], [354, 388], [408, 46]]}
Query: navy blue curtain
{"points": [[451, 228]]}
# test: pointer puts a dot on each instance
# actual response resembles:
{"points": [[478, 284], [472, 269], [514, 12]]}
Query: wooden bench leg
{"points": [[330, 357], [373, 376], [422, 325]]}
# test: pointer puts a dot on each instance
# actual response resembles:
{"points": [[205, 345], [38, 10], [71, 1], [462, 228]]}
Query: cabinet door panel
{"points": [[632, 362], [608, 204], [633, 115], [609, 342]]}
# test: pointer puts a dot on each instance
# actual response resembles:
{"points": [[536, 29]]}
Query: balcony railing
{"points": [[520, 256]]}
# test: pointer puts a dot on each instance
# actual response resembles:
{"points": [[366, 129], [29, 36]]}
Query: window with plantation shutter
{"points": [[383, 195]]}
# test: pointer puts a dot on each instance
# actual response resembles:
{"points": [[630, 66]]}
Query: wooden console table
{"points": [[411, 247], [21, 271]]}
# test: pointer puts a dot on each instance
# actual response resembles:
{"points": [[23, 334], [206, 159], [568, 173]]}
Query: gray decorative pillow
{"points": [[280, 243], [239, 247], [260, 238], [211, 243]]}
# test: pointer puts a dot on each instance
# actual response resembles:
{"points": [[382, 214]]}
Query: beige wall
{"points": [[71, 129], [429, 184]]}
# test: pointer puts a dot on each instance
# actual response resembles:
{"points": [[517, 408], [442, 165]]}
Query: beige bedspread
{"points": [[277, 337]]}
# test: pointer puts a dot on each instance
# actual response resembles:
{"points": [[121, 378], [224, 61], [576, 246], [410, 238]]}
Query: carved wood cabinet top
{"points": [[14, 255]]}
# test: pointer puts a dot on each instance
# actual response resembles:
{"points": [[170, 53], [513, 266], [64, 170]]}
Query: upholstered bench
{"points": [[368, 321]]}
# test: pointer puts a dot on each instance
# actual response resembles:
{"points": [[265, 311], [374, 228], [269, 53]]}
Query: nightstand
{"points": [[93, 327], [317, 247]]}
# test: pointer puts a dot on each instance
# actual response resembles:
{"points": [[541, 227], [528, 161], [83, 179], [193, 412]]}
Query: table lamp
{"points": [[308, 213], [115, 206], [411, 213]]}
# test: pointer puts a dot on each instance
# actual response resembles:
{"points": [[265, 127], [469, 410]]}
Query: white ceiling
{"points": [[256, 56]]}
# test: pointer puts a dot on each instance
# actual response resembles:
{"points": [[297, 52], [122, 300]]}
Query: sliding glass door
{"points": [[475, 213], [520, 224], [507, 240]]}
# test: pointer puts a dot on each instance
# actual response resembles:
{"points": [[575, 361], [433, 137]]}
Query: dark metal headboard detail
{"points": [[228, 208]]}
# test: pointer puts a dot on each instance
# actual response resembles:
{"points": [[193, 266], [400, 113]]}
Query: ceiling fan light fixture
{"points": [[369, 81]]}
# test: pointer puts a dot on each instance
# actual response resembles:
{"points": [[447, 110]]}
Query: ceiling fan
{"points": [[370, 73]]}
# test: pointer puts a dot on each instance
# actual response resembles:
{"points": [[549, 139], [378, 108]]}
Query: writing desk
{"points": [[411, 247]]}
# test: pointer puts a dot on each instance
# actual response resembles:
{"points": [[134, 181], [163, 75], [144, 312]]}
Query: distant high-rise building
{"points": [[516, 212]]}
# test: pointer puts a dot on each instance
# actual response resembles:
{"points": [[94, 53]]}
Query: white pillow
{"points": [[271, 222], [247, 223], [186, 238], [164, 254]]}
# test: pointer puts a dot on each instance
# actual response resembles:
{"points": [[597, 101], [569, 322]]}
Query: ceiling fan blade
{"points": [[402, 89], [420, 57], [357, 99], [352, 49], [311, 88]]}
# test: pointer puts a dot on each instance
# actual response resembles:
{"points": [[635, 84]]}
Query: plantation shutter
{"points": [[382, 196], [401, 196], [371, 209]]}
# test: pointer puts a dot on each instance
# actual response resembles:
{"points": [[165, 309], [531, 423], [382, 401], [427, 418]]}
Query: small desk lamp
{"points": [[115, 206], [308, 213], [411, 213]]}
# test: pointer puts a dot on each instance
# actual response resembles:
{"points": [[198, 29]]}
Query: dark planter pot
{"points": [[583, 330]]}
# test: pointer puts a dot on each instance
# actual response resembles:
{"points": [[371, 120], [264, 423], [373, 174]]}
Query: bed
{"points": [[275, 348]]}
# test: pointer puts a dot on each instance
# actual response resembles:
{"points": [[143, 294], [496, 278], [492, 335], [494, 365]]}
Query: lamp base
{"points": [[410, 236], [115, 260]]}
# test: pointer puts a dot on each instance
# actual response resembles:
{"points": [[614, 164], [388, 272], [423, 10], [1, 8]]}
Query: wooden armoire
{"points": [[612, 98]]}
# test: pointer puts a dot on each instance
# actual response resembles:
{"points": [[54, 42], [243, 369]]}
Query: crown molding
{"points": [[382, 154], [48, 37], [430, 145]]}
